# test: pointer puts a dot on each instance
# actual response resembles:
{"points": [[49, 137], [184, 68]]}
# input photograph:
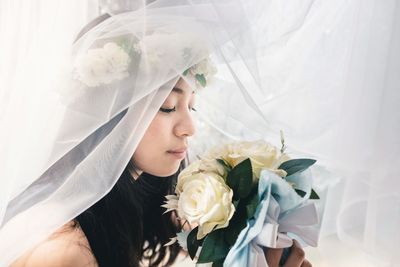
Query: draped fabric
{"points": [[324, 72]]}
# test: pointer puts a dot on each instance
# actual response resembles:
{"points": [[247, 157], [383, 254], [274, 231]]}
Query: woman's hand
{"points": [[296, 257]]}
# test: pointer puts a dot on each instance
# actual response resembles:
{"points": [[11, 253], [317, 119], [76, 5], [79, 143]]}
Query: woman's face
{"points": [[164, 144]]}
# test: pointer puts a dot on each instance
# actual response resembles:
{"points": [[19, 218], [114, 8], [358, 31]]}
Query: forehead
{"points": [[182, 88]]}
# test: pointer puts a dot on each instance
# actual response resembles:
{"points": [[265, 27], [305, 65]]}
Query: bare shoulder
{"points": [[65, 248]]}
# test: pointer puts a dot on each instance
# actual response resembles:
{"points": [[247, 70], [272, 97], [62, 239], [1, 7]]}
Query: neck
{"points": [[135, 172]]}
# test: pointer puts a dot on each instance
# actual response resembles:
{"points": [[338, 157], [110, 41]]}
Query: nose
{"points": [[185, 126]]}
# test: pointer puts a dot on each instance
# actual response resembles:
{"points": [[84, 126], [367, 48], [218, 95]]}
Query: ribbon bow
{"points": [[281, 212]]}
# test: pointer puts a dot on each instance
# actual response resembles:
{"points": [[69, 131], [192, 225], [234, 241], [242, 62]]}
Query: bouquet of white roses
{"points": [[240, 196]]}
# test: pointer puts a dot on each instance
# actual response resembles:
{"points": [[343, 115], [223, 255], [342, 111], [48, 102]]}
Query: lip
{"points": [[178, 153]]}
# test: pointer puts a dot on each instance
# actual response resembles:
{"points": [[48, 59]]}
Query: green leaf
{"points": [[224, 164], [192, 243], [218, 263], [236, 224], [123, 43], [201, 79], [251, 206], [240, 179], [185, 72], [126, 44], [314, 195], [300, 192], [214, 247], [296, 165]]}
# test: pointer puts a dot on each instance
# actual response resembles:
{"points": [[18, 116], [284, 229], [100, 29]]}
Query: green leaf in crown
{"points": [[201, 79]]}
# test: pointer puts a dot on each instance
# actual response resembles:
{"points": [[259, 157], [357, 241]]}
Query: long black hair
{"points": [[127, 227]]}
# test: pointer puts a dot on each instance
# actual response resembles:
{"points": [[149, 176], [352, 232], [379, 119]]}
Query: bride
{"points": [[127, 226], [93, 134]]}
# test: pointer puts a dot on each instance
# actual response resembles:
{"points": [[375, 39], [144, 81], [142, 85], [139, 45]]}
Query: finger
{"points": [[273, 256], [306, 263], [296, 256]]}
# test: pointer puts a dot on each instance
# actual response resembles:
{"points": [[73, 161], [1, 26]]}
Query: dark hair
{"points": [[127, 226]]}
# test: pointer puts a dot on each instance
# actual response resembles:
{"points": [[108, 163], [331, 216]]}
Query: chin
{"points": [[172, 172], [166, 172]]}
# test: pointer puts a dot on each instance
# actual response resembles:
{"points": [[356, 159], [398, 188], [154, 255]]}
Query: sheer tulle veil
{"points": [[323, 72]]}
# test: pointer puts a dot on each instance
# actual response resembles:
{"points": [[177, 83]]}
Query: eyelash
{"points": [[169, 110]]}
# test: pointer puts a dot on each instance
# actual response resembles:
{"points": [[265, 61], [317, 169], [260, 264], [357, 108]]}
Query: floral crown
{"points": [[202, 71], [110, 63]]}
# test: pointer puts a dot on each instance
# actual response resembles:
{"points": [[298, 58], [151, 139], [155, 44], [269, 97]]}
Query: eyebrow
{"points": [[179, 91]]}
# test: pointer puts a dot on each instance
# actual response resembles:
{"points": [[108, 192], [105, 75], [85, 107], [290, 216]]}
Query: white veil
{"points": [[322, 71]]}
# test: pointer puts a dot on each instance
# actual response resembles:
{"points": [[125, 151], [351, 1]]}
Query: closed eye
{"points": [[168, 110]]}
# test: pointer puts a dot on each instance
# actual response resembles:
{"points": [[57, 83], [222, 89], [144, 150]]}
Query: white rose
{"points": [[186, 174], [212, 165], [103, 65], [262, 155], [205, 200], [205, 165], [206, 67]]}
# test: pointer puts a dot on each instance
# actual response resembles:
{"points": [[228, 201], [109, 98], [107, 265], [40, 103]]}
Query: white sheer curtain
{"points": [[35, 39], [366, 139], [328, 73], [325, 72], [339, 88]]}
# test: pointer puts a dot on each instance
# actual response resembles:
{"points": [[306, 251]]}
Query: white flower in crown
{"points": [[103, 65], [159, 48], [202, 71]]}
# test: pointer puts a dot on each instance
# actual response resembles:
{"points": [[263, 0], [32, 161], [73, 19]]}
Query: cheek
{"points": [[150, 154], [153, 139], [157, 132]]}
